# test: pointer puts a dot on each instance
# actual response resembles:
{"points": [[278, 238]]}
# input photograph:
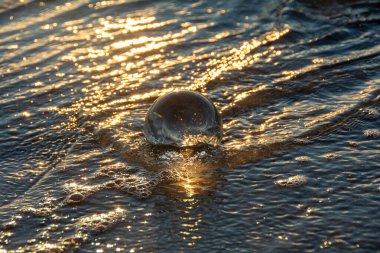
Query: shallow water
{"points": [[297, 83]]}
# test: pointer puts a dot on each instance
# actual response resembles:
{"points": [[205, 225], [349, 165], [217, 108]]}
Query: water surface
{"points": [[297, 83]]}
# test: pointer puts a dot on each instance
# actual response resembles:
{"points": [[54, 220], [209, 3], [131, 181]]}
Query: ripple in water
{"points": [[183, 118]]}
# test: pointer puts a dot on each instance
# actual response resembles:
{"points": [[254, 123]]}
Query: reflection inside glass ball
{"points": [[183, 118]]}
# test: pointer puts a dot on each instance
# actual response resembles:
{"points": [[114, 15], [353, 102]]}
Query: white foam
{"points": [[293, 181], [97, 223], [371, 133]]}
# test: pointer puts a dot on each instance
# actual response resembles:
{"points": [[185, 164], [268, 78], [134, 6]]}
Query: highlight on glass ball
{"points": [[183, 119]]}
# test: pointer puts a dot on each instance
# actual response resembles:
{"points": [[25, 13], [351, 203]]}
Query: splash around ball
{"points": [[183, 119]]}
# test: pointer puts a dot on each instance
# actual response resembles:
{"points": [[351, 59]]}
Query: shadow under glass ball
{"points": [[183, 119]]}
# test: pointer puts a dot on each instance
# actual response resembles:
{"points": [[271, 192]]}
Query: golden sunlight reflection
{"points": [[190, 220], [94, 223], [194, 176], [188, 215], [127, 76], [239, 58], [217, 67], [318, 62], [130, 73]]}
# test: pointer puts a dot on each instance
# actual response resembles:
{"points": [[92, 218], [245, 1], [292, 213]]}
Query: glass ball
{"points": [[183, 119]]}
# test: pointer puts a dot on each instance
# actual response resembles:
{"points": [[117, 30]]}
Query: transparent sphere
{"points": [[183, 118]]}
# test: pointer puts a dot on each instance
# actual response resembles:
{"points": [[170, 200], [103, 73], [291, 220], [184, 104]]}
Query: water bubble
{"points": [[330, 156], [371, 133], [110, 185], [75, 197], [38, 212], [171, 156], [101, 222], [183, 118], [9, 225], [293, 181], [303, 158], [353, 143], [370, 113]]}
